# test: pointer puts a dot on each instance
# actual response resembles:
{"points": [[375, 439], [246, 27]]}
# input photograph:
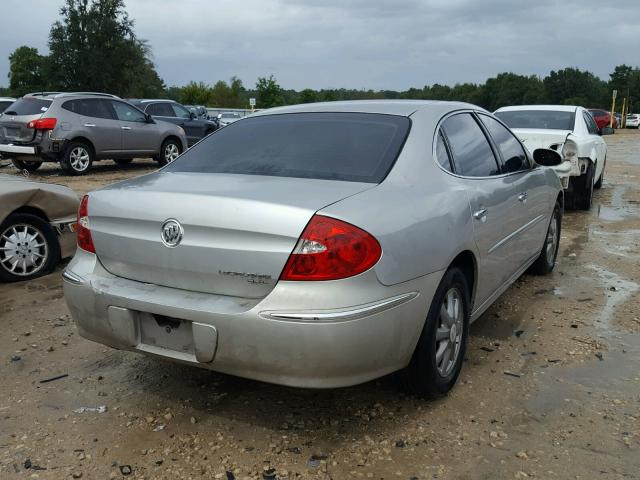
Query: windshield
{"points": [[544, 119], [29, 106], [354, 147]]}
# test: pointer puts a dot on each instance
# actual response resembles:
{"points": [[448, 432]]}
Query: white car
{"points": [[633, 120], [572, 132], [225, 118]]}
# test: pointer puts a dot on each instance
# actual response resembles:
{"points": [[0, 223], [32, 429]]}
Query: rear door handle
{"points": [[126, 128], [89, 125], [481, 214], [523, 197]]}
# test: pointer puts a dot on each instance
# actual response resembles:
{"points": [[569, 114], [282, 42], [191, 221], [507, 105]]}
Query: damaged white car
{"points": [[572, 132]]}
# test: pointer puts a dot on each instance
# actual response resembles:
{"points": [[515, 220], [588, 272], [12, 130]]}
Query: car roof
{"points": [[403, 108], [555, 108], [150, 100], [52, 95]]}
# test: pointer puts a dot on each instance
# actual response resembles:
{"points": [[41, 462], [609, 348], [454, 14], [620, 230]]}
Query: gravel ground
{"points": [[550, 387]]}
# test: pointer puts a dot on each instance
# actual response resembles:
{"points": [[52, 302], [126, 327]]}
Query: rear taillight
{"points": [[85, 241], [43, 124], [330, 249]]}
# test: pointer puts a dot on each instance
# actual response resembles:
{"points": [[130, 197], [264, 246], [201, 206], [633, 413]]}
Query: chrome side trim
{"points": [[341, 315], [517, 232], [72, 278]]}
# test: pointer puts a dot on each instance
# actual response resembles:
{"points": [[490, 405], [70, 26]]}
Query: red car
{"points": [[603, 118]]}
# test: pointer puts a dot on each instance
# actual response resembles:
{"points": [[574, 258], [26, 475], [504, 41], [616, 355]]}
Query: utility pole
{"points": [[613, 107]]}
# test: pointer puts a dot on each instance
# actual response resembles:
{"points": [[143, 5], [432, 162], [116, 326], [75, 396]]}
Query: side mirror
{"points": [[547, 157], [149, 118], [192, 116], [607, 131]]}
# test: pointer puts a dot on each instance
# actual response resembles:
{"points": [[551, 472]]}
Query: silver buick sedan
{"points": [[318, 245]]}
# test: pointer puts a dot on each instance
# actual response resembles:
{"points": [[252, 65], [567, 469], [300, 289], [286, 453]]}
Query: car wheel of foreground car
{"points": [[600, 181], [28, 248], [547, 260], [26, 165], [169, 151], [437, 360], [123, 161], [77, 159]]}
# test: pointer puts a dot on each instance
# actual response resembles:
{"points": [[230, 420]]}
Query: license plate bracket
{"points": [[166, 332]]}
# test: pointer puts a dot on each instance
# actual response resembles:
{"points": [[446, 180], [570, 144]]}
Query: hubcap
{"points": [[23, 250], [79, 158], [171, 152], [552, 239], [449, 332]]}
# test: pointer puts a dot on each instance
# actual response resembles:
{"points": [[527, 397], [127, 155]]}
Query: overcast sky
{"points": [[378, 44]]}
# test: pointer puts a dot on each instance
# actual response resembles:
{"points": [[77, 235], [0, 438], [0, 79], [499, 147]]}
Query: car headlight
{"points": [[569, 150]]}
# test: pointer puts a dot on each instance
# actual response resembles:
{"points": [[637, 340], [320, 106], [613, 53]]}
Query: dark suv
{"points": [[176, 113], [76, 129]]}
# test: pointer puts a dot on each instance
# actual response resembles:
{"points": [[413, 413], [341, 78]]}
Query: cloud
{"points": [[380, 44]]}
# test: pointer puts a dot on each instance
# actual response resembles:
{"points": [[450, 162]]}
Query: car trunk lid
{"points": [[534, 138], [238, 230], [14, 120]]}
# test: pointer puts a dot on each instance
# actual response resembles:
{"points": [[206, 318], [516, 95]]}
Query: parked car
{"points": [[77, 129], [603, 118], [227, 118], [267, 252], [571, 131], [199, 110], [633, 120], [170, 111], [37, 227], [5, 102]]}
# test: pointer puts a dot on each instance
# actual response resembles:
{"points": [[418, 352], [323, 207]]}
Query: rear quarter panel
{"points": [[55, 201]]}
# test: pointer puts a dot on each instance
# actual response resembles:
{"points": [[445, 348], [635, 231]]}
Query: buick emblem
{"points": [[171, 233]]}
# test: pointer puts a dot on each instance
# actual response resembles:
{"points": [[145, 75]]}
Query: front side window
{"points": [[471, 151], [354, 147], [513, 155], [180, 111], [127, 113]]}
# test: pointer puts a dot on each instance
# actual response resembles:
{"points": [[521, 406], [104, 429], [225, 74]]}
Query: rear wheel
{"points": [[437, 360], [582, 195], [29, 166], [169, 151], [77, 158], [28, 248], [547, 260]]}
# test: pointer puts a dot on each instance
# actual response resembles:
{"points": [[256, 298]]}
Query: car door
{"points": [[530, 208], [490, 199], [96, 120], [600, 147], [139, 137], [193, 127]]}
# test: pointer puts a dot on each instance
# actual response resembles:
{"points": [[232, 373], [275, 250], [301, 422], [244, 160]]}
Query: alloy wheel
{"points": [[171, 152], [23, 250], [449, 332], [79, 159], [552, 238]]}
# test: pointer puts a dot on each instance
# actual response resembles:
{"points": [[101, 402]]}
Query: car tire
{"points": [[585, 195], [598, 184], [123, 161], [36, 253], [77, 158], [545, 263], [168, 151], [444, 335], [29, 166]]}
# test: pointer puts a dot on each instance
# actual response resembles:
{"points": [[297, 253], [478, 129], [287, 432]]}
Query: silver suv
{"points": [[76, 129]]}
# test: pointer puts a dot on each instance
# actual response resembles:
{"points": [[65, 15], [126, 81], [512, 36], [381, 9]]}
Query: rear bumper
{"points": [[274, 339], [41, 149]]}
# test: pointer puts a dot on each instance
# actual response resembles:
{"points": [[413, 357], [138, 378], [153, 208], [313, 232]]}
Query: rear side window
{"points": [[592, 127], [471, 151], [90, 107], [442, 154], [29, 106], [513, 155], [160, 110], [355, 147]]}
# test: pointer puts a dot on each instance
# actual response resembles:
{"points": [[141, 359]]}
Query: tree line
{"points": [[93, 47]]}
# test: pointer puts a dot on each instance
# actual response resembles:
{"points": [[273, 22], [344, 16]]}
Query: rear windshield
{"points": [[29, 106], [355, 147], [545, 119]]}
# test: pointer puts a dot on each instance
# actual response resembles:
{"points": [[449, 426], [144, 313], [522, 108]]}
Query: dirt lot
{"points": [[550, 387]]}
